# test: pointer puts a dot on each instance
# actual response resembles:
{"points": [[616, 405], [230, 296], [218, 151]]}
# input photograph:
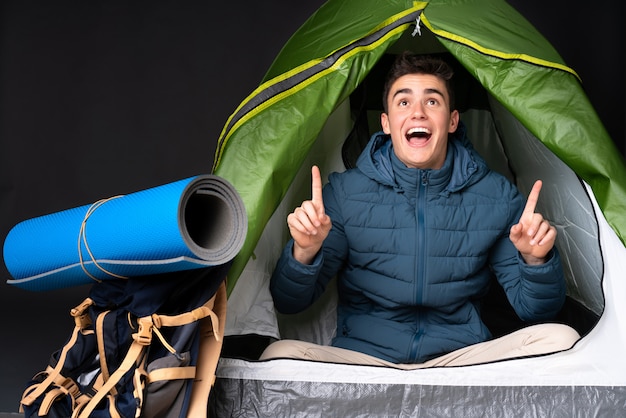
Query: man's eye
{"points": [[403, 103], [432, 102]]}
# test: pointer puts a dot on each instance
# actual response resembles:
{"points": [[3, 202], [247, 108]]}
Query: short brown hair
{"points": [[409, 63]]}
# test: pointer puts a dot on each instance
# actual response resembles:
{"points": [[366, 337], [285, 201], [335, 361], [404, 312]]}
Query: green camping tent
{"points": [[526, 113], [272, 130]]}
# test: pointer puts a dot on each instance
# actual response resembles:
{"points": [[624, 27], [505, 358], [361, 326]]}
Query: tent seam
{"points": [[311, 72], [498, 54]]}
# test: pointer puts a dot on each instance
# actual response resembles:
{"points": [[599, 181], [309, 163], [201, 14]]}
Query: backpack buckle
{"points": [[72, 388], [81, 314], [144, 334]]}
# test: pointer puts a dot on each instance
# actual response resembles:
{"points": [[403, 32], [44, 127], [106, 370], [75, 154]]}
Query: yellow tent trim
{"points": [[495, 53], [301, 86]]}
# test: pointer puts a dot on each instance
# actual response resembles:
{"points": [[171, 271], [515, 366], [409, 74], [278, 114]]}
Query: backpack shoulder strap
{"points": [[82, 320], [141, 340], [211, 332]]}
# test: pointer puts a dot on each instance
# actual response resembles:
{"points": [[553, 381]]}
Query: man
{"points": [[414, 234]]}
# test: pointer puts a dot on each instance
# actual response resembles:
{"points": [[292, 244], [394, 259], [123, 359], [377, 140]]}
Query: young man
{"points": [[414, 234]]}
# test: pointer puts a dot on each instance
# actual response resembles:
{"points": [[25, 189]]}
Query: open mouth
{"points": [[418, 135]]}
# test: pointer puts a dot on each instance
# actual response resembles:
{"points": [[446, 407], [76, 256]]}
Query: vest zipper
{"points": [[420, 258]]}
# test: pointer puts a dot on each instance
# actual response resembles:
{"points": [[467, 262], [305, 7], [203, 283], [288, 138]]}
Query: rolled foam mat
{"points": [[192, 223]]}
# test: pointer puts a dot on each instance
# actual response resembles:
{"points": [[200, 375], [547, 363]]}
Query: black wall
{"points": [[99, 98]]}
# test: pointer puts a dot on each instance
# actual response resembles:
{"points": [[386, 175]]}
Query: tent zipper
{"points": [[297, 79]]}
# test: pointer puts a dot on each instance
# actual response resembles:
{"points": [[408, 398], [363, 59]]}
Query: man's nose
{"points": [[418, 111]]}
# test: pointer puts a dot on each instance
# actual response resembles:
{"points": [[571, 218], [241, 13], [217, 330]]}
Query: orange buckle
{"points": [[144, 334], [81, 314], [71, 387]]}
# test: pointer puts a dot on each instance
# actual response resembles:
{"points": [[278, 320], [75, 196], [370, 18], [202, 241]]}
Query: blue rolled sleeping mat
{"points": [[192, 223]]}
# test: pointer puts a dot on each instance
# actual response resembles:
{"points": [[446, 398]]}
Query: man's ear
{"points": [[384, 122], [454, 121]]}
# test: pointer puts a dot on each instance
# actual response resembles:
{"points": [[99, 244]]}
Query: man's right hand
{"points": [[308, 224]]}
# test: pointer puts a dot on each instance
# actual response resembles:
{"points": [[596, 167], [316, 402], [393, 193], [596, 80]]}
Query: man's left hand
{"points": [[533, 236]]}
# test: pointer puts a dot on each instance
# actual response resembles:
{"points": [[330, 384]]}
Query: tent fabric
{"points": [[535, 122], [274, 128], [192, 223]]}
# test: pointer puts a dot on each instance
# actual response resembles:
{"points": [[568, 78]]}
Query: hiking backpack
{"points": [[144, 346]]}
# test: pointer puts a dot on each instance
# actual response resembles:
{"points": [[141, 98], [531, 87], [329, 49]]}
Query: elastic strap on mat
{"points": [[82, 237], [210, 350]]}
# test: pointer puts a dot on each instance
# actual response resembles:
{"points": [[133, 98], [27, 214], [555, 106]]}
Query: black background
{"points": [[100, 98]]}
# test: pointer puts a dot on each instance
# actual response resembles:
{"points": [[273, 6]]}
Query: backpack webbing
{"points": [[55, 387]]}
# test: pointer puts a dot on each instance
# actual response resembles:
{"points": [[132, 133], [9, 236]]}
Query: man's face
{"points": [[419, 120]]}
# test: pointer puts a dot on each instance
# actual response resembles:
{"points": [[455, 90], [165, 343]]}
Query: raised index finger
{"points": [[533, 197], [316, 186]]}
